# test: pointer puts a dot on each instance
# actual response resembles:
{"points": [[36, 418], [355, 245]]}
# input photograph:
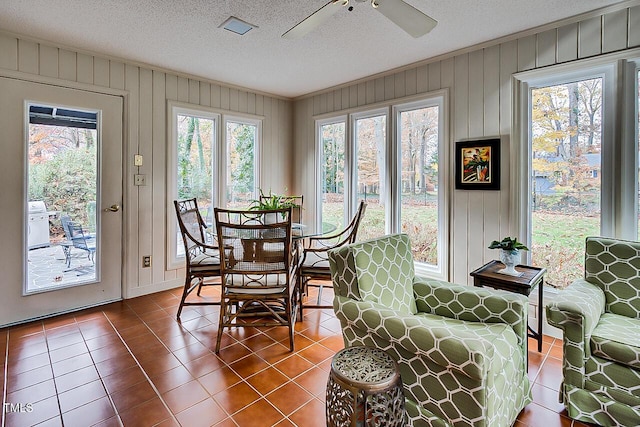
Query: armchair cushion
{"points": [[617, 338], [385, 272]]}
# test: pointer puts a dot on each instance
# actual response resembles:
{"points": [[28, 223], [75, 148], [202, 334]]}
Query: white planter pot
{"points": [[510, 259]]}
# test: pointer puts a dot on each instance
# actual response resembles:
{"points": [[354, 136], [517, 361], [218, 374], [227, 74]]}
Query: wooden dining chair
{"points": [[258, 267], [315, 260], [202, 257]]}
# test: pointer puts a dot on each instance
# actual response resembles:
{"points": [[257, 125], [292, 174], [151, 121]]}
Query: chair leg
{"points": [[185, 292], [200, 283], [223, 309]]}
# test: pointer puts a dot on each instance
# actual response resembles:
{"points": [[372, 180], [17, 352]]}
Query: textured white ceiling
{"points": [[184, 35]]}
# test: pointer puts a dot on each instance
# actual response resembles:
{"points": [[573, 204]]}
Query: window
{"points": [[332, 187], [371, 142], [201, 166], [579, 160], [396, 173], [241, 182]]}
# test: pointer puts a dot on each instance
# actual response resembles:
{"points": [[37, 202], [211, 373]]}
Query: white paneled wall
{"points": [[148, 90], [480, 87]]}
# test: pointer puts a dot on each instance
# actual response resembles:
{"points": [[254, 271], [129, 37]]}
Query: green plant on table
{"points": [[508, 244]]}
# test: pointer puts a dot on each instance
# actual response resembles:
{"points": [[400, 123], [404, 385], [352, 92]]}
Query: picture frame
{"points": [[477, 164]]}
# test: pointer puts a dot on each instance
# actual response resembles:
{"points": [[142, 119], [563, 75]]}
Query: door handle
{"points": [[112, 208]]}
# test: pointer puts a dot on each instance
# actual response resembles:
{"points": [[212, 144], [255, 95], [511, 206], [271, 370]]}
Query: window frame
{"points": [[219, 170], [619, 188], [392, 165]]}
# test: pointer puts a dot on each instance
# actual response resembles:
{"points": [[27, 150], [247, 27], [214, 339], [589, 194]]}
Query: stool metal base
{"points": [[364, 389]]}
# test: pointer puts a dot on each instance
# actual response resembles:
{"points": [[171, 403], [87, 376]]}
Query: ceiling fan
{"points": [[400, 13]]}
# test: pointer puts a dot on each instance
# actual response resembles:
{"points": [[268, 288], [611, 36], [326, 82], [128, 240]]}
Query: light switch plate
{"points": [[137, 160]]}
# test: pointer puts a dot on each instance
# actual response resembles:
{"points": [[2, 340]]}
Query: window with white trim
{"points": [[393, 158]]}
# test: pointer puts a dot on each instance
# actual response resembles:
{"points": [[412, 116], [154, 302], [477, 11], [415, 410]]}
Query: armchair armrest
{"points": [[419, 335], [473, 304], [576, 310]]}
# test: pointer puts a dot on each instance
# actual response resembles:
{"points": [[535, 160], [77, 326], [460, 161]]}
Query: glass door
{"points": [[61, 171]]}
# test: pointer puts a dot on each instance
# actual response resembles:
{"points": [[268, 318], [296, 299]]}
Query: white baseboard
{"points": [[152, 288]]}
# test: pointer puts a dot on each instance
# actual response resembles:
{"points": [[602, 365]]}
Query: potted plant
{"points": [[509, 254], [273, 202]]}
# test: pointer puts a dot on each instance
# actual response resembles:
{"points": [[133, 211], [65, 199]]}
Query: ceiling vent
{"points": [[237, 26]]}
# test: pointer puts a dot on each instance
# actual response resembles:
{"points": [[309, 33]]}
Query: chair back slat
{"points": [[255, 247]]}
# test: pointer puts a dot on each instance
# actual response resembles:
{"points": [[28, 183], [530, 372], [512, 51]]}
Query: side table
{"points": [[488, 275]]}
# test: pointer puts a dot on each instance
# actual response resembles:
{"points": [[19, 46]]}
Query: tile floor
{"points": [[130, 363]]}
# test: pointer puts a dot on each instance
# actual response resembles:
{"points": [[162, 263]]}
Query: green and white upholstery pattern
{"points": [[600, 319], [461, 350]]}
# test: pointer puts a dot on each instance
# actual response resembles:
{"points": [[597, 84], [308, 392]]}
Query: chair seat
{"points": [[314, 263], [206, 258], [617, 338]]}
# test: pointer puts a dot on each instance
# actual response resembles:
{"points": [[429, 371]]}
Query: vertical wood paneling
{"points": [[460, 203], [251, 103], [84, 68], [476, 94], [131, 208], [389, 87], [371, 91], [161, 208], [194, 92], [634, 27], [362, 94], [183, 89], [353, 96], [590, 37], [67, 65], [205, 94], [422, 79], [527, 53], [435, 77], [28, 56], [242, 101], [399, 85], [568, 43], [615, 31], [233, 99], [345, 95], [546, 45], [9, 49], [48, 61], [492, 91], [171, 87], [326, 102], [145, 192], [224, 98], [410, 82], [215, 95], [337, 100], [379, 89], [508, 66], [101, 72], [260, 105], [116, 75]]}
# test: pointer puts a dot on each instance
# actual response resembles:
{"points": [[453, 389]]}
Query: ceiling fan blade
{"points": [[314, 20], [407, 17]]}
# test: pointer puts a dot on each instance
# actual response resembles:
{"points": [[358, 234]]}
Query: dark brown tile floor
{"points": [[130, 363]]}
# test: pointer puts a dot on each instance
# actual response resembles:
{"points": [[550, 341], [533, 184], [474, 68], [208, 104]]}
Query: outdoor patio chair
{"points": [[202, 258], [315, 261], [80, 241], [258, 266]]}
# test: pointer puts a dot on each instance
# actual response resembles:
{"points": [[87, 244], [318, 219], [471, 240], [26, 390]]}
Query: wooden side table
{"points": [[488, 275]]}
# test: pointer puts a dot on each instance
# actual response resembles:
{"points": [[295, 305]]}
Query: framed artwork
{"points": [[477, 164]]}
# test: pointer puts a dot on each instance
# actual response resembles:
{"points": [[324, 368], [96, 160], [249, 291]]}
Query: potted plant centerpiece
{"points": [[273, 201], [509, 254]]}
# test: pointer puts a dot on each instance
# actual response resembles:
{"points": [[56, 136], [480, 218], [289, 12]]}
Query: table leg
{"points": [[540, 311]]}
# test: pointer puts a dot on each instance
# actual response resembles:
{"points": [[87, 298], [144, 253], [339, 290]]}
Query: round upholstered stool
{"points": [[364, 389]]}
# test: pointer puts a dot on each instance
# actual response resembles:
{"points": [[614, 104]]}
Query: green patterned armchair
{"points": [[461, 350], [600, 319]]}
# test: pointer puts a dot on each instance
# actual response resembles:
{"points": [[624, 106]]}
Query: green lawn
{"points": [[560, 249]]}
